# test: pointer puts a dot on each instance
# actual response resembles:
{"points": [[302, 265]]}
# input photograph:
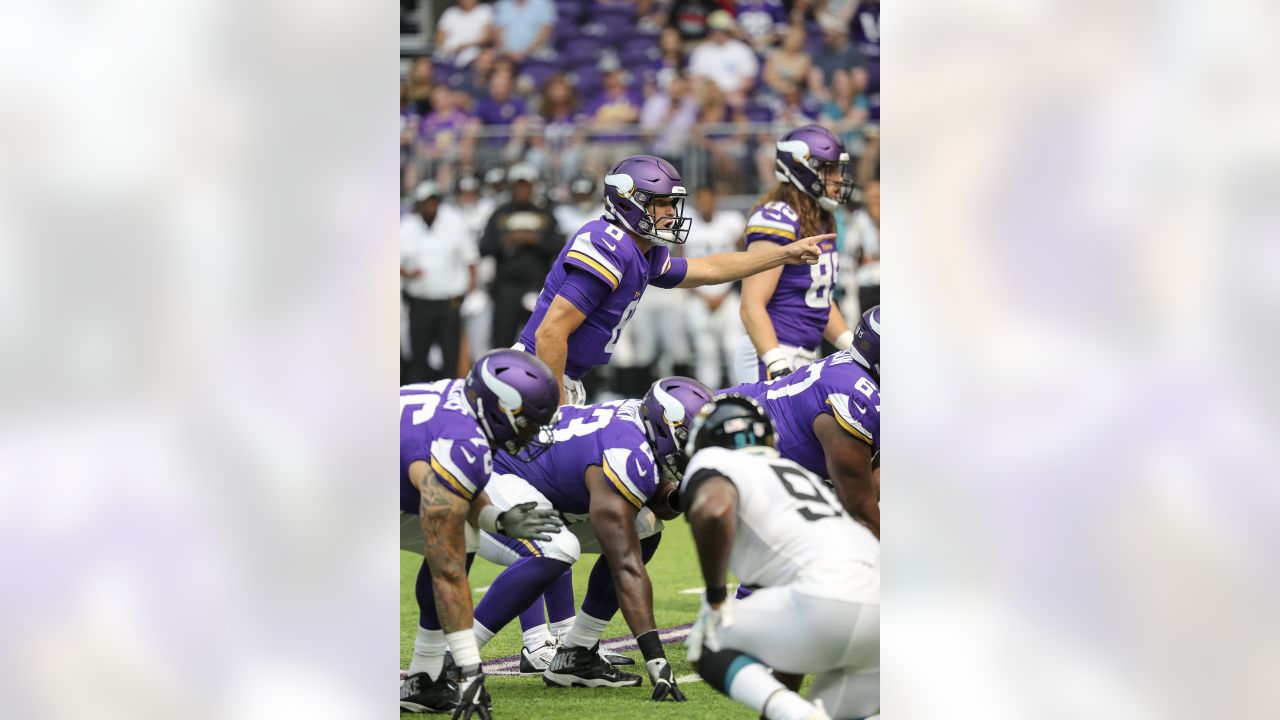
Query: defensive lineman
{"points": [[600, 275], [448, 432], [778, 527]]}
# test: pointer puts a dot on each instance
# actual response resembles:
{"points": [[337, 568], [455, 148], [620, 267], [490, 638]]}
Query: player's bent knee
{"points": [[564, 546]]}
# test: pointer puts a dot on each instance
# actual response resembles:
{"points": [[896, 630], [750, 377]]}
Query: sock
{"points": [[586, 631], [560, 628], [754, 686], [463, 645], [483, 636], [515, 589], [559, 599], [428, 653], [537, 636]]}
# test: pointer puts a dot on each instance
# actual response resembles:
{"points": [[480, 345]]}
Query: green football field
{"points": [[673, 569]]}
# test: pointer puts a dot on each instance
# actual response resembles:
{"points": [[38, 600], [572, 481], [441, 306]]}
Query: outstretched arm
{"points": [[613, 521], [849, 468], [552, 337], [837, 331], [727, 267]]}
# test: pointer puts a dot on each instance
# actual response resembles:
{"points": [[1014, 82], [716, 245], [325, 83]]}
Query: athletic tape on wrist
{"points": [[650, 645]]}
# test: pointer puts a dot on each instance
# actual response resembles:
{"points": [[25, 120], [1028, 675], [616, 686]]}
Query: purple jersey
{"points": [[492, 112], [605, 252], [609, 435], [801, 302], [759, 18], [437, 425], [837, 386]]}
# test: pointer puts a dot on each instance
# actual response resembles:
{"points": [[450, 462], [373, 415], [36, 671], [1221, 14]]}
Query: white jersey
{"points": [[792, 529]]}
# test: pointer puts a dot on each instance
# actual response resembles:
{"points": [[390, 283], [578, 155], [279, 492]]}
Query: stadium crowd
{"points": [[510, 121]]}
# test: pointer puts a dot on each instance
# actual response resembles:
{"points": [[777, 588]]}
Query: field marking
{"points": [[511, 665], [698, 590]]}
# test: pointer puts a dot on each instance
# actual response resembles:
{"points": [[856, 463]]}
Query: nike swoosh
{"points": [[609, 245], [472, 458], [862, 409]]}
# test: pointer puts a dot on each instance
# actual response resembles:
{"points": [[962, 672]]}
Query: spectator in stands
{"points": [[500, 106], [837, 54], [446, 136], [523, 27], [713, 309], [438, 267], [672, 47], [615, 105], [762, 22], [846, 111], [523, 238], [462, 31], [722, 149], [420, 86], [790, 64], [474, 83], [668, 116], [409, 118], [728, 61], [865, 28], [689, 18], [557, 148]]}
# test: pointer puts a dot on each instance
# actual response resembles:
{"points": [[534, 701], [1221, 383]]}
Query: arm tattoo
{"points": [[443, 515]]}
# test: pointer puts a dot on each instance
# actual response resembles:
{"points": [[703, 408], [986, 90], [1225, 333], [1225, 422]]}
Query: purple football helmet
{"points": [[667, 411], [636, 182], [802, 155], [866, 341], [513, 395]]}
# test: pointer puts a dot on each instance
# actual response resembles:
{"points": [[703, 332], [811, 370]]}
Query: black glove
{"points": [[473, 701], [527, 520], [664, 681]]}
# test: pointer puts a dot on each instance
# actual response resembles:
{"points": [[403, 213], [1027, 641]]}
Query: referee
{"points": [[438, 257]]}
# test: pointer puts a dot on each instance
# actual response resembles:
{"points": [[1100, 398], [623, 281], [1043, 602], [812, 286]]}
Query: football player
{"points": [[827, 417], [449, 431], [788, 311], [610, 468], [598, 279], [778, 527]]}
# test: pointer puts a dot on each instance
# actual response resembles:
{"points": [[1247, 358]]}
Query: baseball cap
{"points": [[523, 171], [720, 20], [426, 189]]}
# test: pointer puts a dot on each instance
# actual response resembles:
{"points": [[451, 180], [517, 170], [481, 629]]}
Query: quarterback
{"points": [[602, 272]]}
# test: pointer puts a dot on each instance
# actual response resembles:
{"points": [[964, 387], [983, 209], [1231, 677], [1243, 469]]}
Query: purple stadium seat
{"points": [[617, 12], [640, 43], [539, 73], [581, 47]]}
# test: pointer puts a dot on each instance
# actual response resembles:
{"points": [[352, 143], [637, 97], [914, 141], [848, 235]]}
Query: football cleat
{"points": [[583, 667], [420, 694], [537, 661]]}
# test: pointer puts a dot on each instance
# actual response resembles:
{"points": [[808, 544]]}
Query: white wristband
{"points": [[845, 341], [488, 520], [771, 356]]}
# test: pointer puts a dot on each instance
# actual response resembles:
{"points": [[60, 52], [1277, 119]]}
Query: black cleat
{"points": [[583, 667], [420, 694]]}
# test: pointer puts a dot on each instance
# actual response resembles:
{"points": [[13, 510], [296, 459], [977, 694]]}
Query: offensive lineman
{"points": [[596, 283], [777, 526], [827, 416], [610, 469], [449, 431]]}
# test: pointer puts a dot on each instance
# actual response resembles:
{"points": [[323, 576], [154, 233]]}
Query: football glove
{"points": [[529, 521], [471, 696], [776, 363], [704, 633], [664, 681]]}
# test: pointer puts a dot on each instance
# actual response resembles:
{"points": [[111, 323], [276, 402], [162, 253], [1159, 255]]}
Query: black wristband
{"points": [[497, 523], [717, 594], [650, 645]]}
